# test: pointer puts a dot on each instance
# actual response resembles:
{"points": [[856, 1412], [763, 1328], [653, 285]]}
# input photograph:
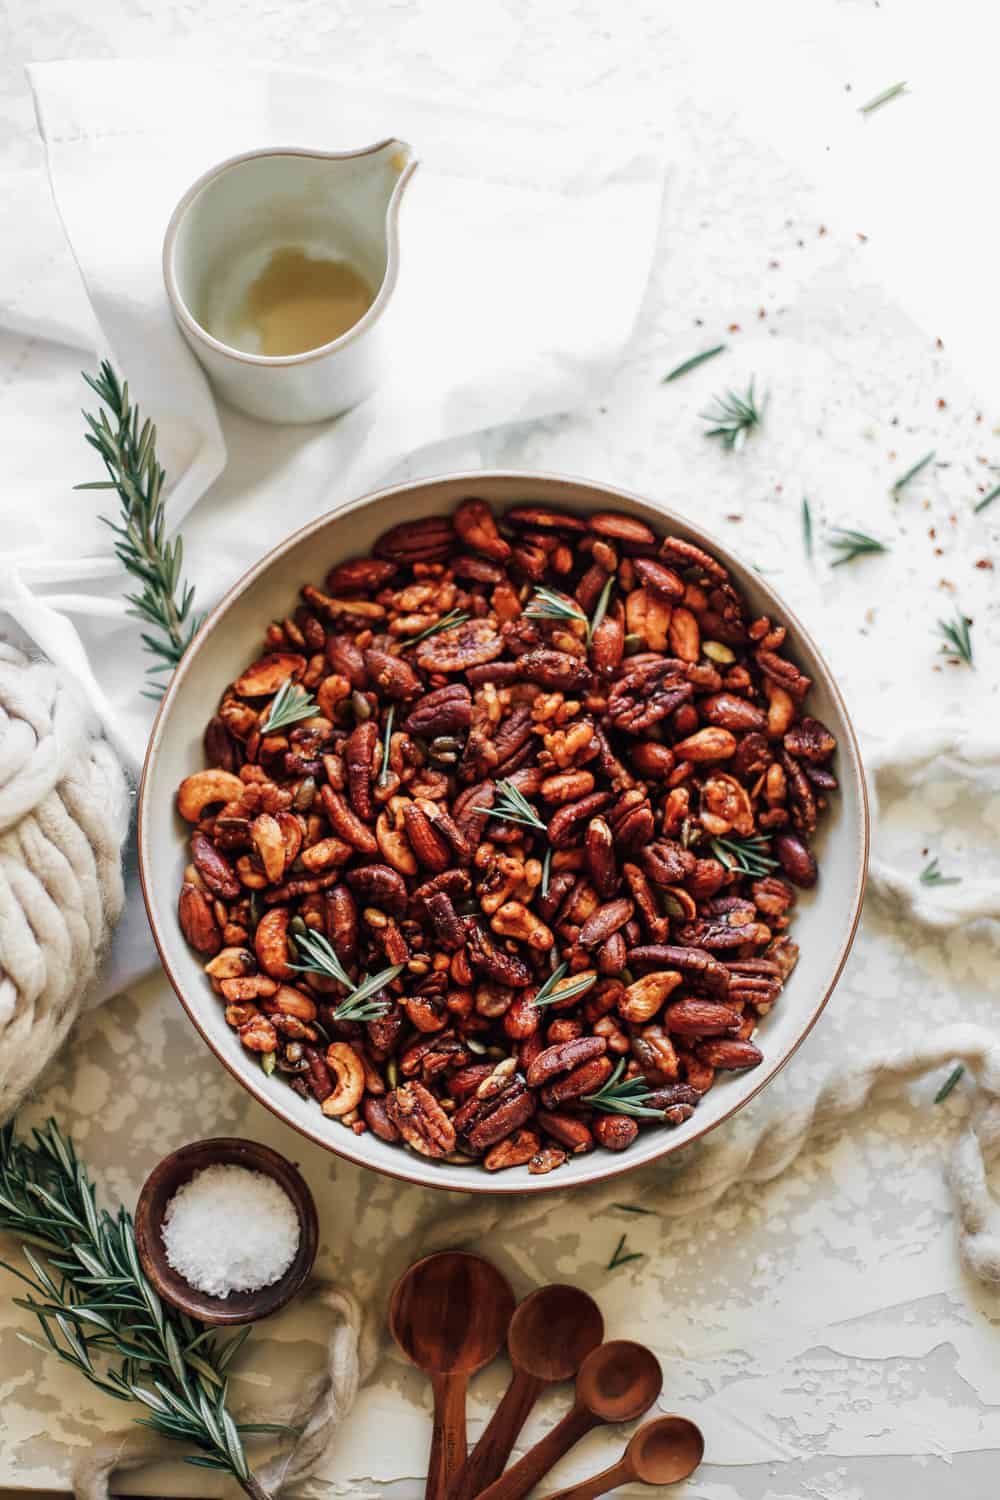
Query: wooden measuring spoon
{"points": [[550, 1334], [449, 1314], [661, 1452], [617, 1382]]}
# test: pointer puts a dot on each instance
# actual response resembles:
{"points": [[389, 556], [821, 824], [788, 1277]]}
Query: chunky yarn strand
{"points": [[64, 807]]}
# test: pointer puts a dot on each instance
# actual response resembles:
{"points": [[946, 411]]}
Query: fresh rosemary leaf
{"points": [[546, 872], [447, 622], [128, 451], [548, 994], [949, 1084], [549, 604], [321, 958], [383, 775], [987, 499], [735, 417], [851, 544], [931, 875], [750, 856], [957, 639], [624, 1096], [692, 363], [633, 1208], [601, 608], [618, 1259], [289, 704], [513, 807], [807, 528], [904, 479], [890, 93]]}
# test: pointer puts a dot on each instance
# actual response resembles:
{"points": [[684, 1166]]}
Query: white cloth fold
{"points": [[525, 252]]}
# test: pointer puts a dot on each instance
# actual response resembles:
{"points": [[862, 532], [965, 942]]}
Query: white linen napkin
{"points": [[525, 252]]}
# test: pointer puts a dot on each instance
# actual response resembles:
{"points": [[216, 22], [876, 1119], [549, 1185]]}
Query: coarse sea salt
{"points": [[230, 1229]]}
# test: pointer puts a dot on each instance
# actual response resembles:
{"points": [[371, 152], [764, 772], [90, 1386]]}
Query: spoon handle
{"points": [[597, 1484], [488, 1458], [448, 1445], [526, 1473]]}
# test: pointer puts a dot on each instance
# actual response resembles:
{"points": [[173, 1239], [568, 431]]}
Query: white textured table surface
{"points": [[821, 1329]]}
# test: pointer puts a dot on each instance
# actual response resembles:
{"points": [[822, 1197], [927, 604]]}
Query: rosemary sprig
{"points": [[633, 1208], [850, 544], [624, 1097], [987, 499], [98, 1312], [549, 994], [601, 608], [513, 807], [931, 874], [618, 1259], [321, 958], [735, 417], [447, 622], [692, 363], [893, 92], [164, 600], [807, 528], [904, 479], [546, 872], [957, 639], [949, 1084], [750, 856], [383, 775], [549, 604], [289, 704]]}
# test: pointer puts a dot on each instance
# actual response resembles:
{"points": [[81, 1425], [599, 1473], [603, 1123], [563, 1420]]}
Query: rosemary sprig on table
{"points": [[949, 1084], [383, 775], [513, 807], [893, 92], [957, 639], [447, 622], [164, 600], [931, 874], [807, 528], [987, 499], [692, 363], [633, 1208], [321, 958], [850, 544], [624, 1097], [289, 704], [735, 417], [904, 479], [98, 1312], [549, 994], [749, 856], [618, 1259]]}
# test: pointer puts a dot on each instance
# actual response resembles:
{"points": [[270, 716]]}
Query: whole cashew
{"points": [[349, 1072]]}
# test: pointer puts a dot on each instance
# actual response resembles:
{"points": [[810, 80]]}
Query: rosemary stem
{"points": [[253, 1487]]}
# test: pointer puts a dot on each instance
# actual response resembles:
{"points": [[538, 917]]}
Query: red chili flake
{"points": [[932, 532], [942, 403], [822, 229], [734, 328], [774, 265], [946, 583], [939, 552], [762, 312], [862, 237], [734, 518], [986, 563], [939, 343]]}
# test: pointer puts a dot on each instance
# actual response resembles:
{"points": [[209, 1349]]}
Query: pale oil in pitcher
{"points": [[295, 302]]}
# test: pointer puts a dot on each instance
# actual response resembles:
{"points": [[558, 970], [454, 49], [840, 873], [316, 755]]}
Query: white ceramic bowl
{"points": [[825, 919]]}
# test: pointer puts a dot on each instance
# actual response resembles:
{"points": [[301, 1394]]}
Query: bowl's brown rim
{"points": [[485, 1183]]}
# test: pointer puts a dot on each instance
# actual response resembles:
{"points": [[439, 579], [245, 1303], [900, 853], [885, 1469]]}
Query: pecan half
{"points": [[420, 1120]]}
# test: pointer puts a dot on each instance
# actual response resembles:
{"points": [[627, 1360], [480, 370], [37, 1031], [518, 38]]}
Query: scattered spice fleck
{"points": [[949, 1084], [883, 98]]}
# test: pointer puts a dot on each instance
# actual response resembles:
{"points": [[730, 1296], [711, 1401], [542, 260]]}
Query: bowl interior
{"points": [[825, 919]]}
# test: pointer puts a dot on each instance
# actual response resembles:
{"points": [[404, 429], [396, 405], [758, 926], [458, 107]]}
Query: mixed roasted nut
{"points": [[497, 842]]}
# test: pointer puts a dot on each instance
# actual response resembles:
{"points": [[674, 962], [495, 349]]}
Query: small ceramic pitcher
{"points": [[340, 207]]}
